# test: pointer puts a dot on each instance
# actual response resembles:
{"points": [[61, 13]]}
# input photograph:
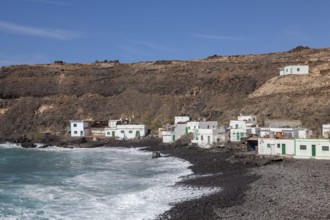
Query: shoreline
{"points": [[212, 167]]}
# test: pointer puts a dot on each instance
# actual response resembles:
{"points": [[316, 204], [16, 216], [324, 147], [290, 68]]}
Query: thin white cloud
{"points": [[52, 2], [38, 32], [216, 37]]}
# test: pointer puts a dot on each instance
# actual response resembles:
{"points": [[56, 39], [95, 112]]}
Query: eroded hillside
{"points": [[43, 98]]}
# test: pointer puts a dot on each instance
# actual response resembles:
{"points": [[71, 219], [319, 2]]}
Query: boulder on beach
{"points": [[155, 154]]}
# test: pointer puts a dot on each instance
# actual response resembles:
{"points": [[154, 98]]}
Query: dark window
{"points": [[74, 125], [278, 146], [268, 145], [75, 132], [122, 132], [325, 148], [303, 147], [298, 69], [130, 132]]}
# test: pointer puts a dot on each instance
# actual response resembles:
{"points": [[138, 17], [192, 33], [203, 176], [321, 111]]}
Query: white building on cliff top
{"points": [[295, 70]]}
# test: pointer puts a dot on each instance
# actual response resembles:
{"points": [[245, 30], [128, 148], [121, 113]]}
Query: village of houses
{"points": [[285, 138]]}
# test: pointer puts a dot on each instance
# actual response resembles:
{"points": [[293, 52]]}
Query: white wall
{"points": [[233, 134], [297, 70], [79, 128], [307, 153], [237, 124], [130, 131], [251, 118], [209, 137], [272, 146], [326, 129], [178, 119], [168, 136]]}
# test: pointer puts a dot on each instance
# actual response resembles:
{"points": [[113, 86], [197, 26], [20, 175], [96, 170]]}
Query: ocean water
{"points": [[99, 183]]}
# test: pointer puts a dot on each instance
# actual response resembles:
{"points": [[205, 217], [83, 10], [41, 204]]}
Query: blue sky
{"points": [[82, 31]]}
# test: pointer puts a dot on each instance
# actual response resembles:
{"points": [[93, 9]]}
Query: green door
{"points": [[173, 138], [113, 133], [238, 138], [186, 130], [313, 150], [283, 149], [137, 134]]}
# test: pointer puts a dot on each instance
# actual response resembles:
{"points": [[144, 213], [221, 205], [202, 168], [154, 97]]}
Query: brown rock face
{"points": [[43, 98]]}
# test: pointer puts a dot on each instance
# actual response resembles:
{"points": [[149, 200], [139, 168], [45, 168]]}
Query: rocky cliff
{"points": [[43, 98]]}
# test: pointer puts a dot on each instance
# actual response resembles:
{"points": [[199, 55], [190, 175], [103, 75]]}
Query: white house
{"points": [[207, 137], [80, 128], [294, 69], [287, 132], [126, 131], [167, 134], [326, 130], [276, 147], [312, 148], [248, 118], [183, 119], [194, 126], [243, 127]]}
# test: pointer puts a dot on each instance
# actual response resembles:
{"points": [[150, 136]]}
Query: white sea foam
{"points": [[109, 184], [9, 145]]}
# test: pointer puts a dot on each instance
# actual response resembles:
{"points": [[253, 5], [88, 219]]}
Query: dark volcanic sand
{"points": [[233, 178]]}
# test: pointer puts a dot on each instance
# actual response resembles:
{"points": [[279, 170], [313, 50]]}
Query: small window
{"points": [[75, 132], [298, 69], [108, 133], [278, 145], [74, 125], [268, 145], [130, 132], [202, 137], [303, 147], [208, 126], [122, 132], [325, 148]]}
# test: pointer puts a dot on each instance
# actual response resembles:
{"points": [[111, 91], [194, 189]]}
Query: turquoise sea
{"points": [[98, 183]]}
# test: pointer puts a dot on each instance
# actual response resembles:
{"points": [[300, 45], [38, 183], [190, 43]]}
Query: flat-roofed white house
{"points": [[312, 148], [80, 128], [287, 132], [194, 126], [182, 119], [167, 134], [248, 118], [275, 147], [243, 127], [208, 137], [124, 131], [295, 70], [326, 130]]}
